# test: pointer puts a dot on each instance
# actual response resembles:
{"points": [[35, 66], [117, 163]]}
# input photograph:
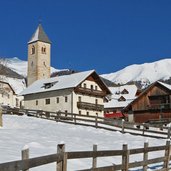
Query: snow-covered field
{"points": [[42, 137]]}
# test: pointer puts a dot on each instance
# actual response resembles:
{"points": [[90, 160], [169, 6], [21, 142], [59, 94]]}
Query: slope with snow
{"points": [[42, 137], [147, 72]]}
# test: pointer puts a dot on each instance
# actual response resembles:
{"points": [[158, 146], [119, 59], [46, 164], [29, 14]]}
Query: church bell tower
{"points": [[39, 49]]}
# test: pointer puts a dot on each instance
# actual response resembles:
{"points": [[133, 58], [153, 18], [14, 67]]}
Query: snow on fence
{"points": [[61, 158], [103, 123]]}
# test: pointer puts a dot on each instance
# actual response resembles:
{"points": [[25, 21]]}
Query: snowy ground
{"points": [[42, 137]]}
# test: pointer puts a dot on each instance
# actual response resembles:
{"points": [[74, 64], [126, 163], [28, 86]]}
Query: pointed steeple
{"points": [[39, 35]]}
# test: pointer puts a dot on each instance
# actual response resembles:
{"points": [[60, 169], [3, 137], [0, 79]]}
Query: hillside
{"points": [[144, 73], [42, 137]]}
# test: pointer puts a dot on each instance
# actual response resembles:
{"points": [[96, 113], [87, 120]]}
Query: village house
{"points": [[121, 97], [152, 104], [8, 95], [81, 93]]}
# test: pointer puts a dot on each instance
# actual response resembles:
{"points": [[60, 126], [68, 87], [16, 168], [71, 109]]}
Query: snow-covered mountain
{"points": [[20, 67], [145, 73]]}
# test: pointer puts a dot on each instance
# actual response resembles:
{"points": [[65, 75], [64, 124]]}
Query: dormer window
{"points": [[117, 92], [43, 50], [33, 49], [124, 91], [49, 85], [121, 99]]}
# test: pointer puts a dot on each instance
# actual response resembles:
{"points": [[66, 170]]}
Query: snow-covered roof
{"points": [[168, 86], [39, 35], [61, 82], [117, 92]]}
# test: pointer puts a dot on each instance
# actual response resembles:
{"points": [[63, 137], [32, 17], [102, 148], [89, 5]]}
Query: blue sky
{"points": [[105, 35]]}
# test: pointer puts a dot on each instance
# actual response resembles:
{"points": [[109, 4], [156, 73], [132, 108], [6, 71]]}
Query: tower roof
{"points": [[39, 35]]}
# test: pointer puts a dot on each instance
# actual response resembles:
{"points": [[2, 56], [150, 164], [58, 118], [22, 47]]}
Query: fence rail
{"points": [[61, 158], [101, 122]]}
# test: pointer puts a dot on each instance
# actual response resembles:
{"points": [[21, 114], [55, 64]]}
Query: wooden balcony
{"points": [[90, 92], [90, 106], [162, 106]]}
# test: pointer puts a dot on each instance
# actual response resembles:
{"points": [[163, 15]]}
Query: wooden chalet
{"points": [[154, 103]]}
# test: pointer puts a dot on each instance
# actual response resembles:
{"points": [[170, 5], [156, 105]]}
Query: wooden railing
{"points": [[83, 90], [101, 122], [90, 106], [61, 158]]}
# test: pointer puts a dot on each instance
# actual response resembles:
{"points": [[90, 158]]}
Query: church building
{"points": [[81, 93]]}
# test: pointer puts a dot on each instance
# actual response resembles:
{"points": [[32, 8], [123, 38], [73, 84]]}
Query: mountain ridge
{"points": [[140, 74], [146, 73]]}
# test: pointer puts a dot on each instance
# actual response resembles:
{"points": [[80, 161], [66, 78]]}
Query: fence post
{"points": [[143, 129], [62, 164], [74, 119], [145, 156], [1, 117], [58, 116], [125, 158], [94, 164], [25, 155], [96, 123], [167, 155], [122, 125], [168, 134]]}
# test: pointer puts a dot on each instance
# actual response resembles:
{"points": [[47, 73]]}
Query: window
{"points": [[91, 87], [32, 63], [44, 63], [33, 49], [47, 101], [43, 50], [79, 98], [57, 100], [124, 91], [87, 113], [79, 112], [49, 85], [121, 99], [85, 85], [36, 102], [95, 87], [66, 99], [96, 101]]}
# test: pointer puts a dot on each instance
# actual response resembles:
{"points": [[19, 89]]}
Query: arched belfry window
{"points": [[43, 50], [33, 49]]}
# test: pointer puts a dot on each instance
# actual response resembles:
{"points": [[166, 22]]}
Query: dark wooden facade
{"points": [[152, 104]]}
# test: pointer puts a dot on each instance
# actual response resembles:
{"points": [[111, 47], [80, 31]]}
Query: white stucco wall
{"points": [[6, 95], [30, 101]]}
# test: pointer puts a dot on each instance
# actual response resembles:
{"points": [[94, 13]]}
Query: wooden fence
{"points": [[61, 158], [101, 122]]}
